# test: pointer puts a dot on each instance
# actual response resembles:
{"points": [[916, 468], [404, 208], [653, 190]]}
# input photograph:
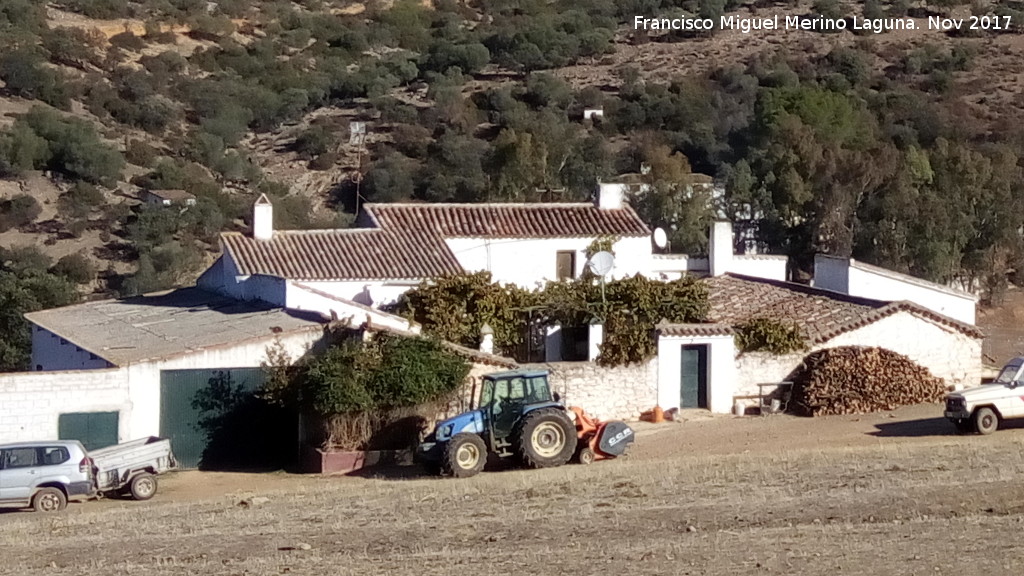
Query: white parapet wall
{"points": [[33, 401], [867, 281]]}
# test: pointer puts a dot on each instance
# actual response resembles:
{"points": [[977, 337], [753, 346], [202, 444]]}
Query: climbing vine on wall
{"points": [[455, 307], [602, 244], [769, 335]]}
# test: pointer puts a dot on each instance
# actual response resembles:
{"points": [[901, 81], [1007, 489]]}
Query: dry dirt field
{"points": [[891, 493]]}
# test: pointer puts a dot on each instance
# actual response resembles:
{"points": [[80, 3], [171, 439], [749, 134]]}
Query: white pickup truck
{"points": [[981, 408]]}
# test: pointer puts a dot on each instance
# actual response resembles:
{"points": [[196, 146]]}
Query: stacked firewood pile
{"points": [[857, 380]]}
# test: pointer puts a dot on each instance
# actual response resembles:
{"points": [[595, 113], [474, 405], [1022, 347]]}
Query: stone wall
{"points": [[947, 353], [620, 393]]}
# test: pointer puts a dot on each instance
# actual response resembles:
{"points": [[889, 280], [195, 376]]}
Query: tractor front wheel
{"points": [[546, 438], [464, 456]]}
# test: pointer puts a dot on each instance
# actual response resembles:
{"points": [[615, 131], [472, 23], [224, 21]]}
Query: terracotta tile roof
{"points": [[694, 329], [351, 254], [541, 220], [820, 314]]}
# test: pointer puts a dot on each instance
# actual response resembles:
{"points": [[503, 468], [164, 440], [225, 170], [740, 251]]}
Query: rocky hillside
{"points": [[901, 147]]}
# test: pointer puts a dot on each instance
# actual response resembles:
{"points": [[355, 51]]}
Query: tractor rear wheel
{"points": [[464, 455], [545, 438]]}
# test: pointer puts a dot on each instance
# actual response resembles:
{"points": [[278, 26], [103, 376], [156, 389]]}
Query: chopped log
{"points": [[859, 380]]}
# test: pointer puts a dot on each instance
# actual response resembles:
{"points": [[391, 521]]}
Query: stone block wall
{"points": [[32, 402], [620, 393]]}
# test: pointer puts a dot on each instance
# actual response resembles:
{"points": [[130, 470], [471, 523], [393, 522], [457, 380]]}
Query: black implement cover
{"points": [[614, 438]]}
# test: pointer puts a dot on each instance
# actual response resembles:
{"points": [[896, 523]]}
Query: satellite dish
{"points": [[660, 238], [601, 263]]}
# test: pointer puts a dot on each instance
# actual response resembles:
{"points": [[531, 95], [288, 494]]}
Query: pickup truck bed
{"points": [[132, 466]]}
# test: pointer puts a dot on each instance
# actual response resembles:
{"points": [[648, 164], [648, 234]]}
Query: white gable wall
{"points": [[530, 262], [947, 353], [841, 275]]}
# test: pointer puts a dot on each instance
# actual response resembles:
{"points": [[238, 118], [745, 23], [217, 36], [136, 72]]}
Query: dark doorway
{"points": [[216, 422], [693, 383]]}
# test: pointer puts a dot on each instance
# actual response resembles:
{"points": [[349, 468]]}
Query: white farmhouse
{"points": [[397, 246]]}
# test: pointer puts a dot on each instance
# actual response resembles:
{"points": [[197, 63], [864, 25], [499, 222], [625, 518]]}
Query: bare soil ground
{"points": [[881, 494]]}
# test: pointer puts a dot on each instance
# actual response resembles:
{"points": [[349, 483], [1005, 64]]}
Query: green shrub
{"points": [[128, 41], [74, 147], [75, 268], [26, 75], [384, 373], [18, 211], [769, 335], [80, 200], [140, 153]]}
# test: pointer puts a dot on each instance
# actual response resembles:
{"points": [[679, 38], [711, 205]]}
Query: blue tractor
{"points": [[517, 416]]}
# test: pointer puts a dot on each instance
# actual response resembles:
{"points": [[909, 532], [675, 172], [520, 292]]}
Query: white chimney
{"points": [[610, 195], [720, 248], [263, 218]]}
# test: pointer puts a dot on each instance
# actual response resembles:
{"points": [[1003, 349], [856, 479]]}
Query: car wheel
{"points": [[49, 500], [986, 421], [143, 486]]}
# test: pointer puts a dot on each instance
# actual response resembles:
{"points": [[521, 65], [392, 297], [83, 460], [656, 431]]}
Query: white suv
{"points": [[44, 475], [981, 408]]}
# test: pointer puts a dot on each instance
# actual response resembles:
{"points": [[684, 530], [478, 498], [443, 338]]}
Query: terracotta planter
{"points": [[318, 461]]}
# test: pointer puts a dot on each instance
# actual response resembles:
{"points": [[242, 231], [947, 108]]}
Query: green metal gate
{"points": [[94, 430], [214, 420]]}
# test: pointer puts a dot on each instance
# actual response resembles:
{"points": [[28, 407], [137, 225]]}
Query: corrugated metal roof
{"points": [[540, 220], [353, 254], [161, 326]]}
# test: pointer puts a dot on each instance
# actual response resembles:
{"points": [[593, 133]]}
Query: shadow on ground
{"points": [[416, 471], [914, 428], [929, 427]]}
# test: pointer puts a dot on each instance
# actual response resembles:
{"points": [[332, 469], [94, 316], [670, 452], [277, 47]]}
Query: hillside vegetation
{"points": [[899, 148]]}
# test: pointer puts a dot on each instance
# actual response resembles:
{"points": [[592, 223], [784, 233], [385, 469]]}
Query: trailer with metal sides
{"points": [[131, 468]]}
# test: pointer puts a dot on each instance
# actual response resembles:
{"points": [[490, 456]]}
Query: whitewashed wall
{"points": [[302, 297], [530, 263], [370, 292], [948, 354], [760, 266], [51, 352], [721, 370], [619, 393], [858, 279], [32, 402], [144, 378]]}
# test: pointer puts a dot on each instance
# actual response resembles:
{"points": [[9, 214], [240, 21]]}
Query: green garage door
{"points": [[94, 430], [215, 422]]}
